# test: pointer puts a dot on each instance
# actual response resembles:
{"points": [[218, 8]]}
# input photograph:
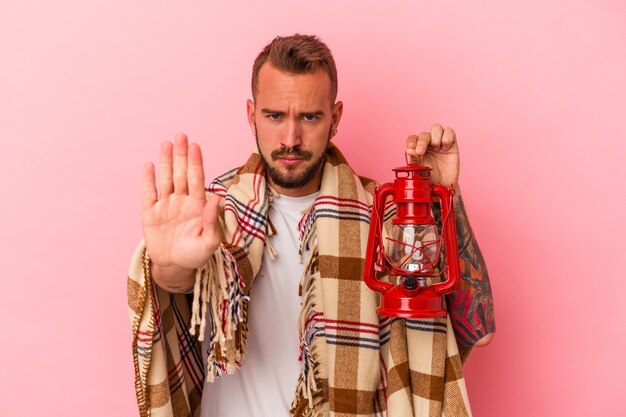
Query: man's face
{"points": [[293, 119]]}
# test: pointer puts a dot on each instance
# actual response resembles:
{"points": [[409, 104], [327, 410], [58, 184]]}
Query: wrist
{"points": [[173, 278]]}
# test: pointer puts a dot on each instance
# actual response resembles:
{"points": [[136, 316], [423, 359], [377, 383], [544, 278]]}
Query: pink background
{"points": [[535, 90]]}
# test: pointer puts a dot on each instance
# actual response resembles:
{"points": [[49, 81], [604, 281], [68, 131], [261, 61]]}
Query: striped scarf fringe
{"points": [[223, 299], [309, 399]]}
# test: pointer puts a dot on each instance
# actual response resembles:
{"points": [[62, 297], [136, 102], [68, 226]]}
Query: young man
{"points": [[274, 258]]}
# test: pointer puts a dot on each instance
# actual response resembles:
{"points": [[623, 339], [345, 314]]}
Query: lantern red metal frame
{"points": [[413, 192]]}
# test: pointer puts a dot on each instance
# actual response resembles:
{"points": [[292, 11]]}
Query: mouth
{"points": [[290, 161]]}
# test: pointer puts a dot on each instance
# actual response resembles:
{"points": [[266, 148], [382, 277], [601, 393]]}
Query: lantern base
{"points": [[422, 302]]}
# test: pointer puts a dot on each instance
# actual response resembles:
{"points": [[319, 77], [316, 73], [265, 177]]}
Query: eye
{"points": [[274, 116], [310, 117]]}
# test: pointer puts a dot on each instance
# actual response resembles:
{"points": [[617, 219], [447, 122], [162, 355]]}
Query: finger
{"points": [[211, 210], [210, 221], [180, 164], [212, 207], [411, 141], [436, 134], [195, 174], [423, 140], [165, 170], [448, 140], [149, 186]]}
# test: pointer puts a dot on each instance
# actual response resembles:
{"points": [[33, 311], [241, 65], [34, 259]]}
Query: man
{"points": [[293, 218]]}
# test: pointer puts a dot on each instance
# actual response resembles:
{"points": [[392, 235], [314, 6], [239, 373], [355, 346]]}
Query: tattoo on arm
{"points": [[471, 304]]}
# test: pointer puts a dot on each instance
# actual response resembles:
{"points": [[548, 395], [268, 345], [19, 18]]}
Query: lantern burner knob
{"points": [[410, 283]]}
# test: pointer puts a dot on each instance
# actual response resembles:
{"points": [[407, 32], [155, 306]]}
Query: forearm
{"points": [[471, 304], [174, 279]]}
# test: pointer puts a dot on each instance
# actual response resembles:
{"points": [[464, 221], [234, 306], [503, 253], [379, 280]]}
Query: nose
{"points": [[293, 134]]}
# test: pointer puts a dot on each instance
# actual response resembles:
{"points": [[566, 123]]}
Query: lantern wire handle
{"points": [[419, 160]]}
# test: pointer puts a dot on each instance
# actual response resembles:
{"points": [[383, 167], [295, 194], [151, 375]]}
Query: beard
{"points": [[289, 179]]}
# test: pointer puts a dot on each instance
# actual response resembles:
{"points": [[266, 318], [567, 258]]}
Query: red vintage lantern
{"points": [[413, 248]]}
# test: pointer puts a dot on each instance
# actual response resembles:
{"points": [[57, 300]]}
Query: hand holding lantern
{"points": [[413, 249]]}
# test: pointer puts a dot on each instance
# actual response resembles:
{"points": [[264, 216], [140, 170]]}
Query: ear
{"points": [[337, 112], [250, 111]]}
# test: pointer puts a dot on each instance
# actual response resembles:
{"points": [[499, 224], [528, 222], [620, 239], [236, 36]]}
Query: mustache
{"points": [[291, 151]]}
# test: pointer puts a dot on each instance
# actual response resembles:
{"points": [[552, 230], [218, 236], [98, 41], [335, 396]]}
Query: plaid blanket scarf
{"points": [[354, 363]]}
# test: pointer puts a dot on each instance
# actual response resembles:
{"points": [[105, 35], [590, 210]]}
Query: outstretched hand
{"points": [[181, 228], [439, 150]]}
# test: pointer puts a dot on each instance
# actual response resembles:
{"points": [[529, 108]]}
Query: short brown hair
{"points": [[297, 54]]}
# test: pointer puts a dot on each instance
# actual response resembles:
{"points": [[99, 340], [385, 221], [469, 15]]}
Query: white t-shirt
{"points": [[265, 384]]}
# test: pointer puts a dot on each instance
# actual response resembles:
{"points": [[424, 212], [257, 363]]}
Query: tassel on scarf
{"points": [[221, 298], [306, 227], [309, 399]]}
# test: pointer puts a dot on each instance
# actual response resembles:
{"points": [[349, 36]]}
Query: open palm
{"points": [[181, 228]]}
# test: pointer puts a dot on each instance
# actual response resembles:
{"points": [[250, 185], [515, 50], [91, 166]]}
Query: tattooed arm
{"points": [[471, 304]]}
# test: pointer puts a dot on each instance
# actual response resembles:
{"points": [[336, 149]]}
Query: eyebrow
{"points": [[304, 113]]}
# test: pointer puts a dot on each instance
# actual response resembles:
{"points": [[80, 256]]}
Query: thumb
{"points": [[210, 213], [212, 230]]}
